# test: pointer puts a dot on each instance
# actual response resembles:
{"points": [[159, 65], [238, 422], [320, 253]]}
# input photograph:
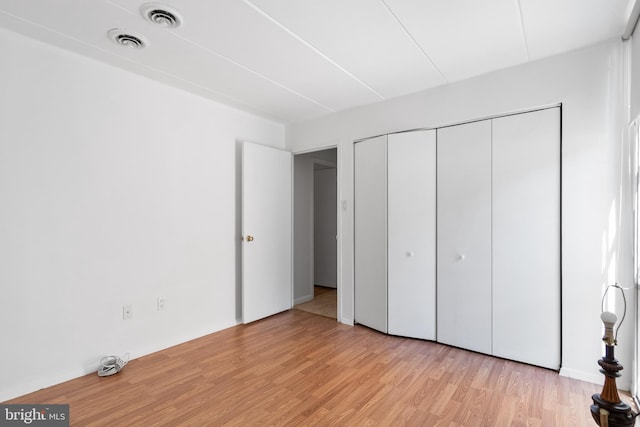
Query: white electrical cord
{"points": [[111, 365]]}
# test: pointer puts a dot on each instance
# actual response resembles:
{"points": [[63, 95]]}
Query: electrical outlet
{"points": [[162, 304], [127, 312]]}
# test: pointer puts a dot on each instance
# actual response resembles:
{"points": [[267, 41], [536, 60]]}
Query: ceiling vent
{"points": [[160, 14], [128, 38]]}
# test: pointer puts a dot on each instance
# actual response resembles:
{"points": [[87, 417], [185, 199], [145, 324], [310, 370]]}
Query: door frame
{"points": [[634, 152], [338, 222]]}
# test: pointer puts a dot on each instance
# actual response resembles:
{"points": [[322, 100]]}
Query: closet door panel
{"points": [[464, 236], [526, 237], [412, 234], [370, 232]]}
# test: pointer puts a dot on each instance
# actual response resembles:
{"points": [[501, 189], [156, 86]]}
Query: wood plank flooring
{"points": [[300, 369]]}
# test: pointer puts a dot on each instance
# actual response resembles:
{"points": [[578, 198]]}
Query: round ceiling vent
{"points": [[128, 38], [160, 14]]}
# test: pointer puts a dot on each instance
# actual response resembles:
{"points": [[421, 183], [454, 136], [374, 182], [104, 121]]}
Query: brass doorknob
{"points": [[249, 238]]}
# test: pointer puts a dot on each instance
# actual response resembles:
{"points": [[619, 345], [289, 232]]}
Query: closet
{"points": [[460, 243], [370, 232], [395, 226], [526, 238], [464, 236]]}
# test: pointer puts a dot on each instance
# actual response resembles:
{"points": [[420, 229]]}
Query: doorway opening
{"points": [[315, 259]]}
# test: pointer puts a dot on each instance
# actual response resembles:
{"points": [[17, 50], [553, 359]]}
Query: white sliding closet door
{"points": [[526, 237], [464, 236], [412, 234], [370, 229]]}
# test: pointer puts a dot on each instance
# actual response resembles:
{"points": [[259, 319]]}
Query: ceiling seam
{"points": [[229, 60], [166, 73], [313, 48], [116, 5], [255, 73], [413, 40], [522, 30], [237, 64]]}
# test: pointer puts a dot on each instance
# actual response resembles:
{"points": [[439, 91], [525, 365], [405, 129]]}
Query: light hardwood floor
{"points": [[324, 302], [300, 369]]}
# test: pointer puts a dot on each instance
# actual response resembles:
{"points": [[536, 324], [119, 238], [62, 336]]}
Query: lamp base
{"points": [[619, 414]]}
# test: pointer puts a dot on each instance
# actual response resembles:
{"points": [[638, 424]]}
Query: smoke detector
{"points": [[128, 38], [159, 14]]}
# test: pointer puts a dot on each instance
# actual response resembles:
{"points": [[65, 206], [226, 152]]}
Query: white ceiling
{"points": [[291, 60]]}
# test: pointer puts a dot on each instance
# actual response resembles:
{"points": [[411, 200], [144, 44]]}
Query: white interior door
{"points": [[526, 237], [266, 231], [370, 228], [412, 234], [464, 236]]}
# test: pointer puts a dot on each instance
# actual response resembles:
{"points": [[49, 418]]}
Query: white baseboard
{"points": [[591, 377], [327, 285], [32, 385], [73, 372], [623, 383], [302, 299], [346, 321]]}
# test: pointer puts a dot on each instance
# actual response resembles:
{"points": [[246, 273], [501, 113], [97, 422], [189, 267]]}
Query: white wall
{"points": [[635, 74], [325, 227], [302, 228], [114, 190], [589, 84]]}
